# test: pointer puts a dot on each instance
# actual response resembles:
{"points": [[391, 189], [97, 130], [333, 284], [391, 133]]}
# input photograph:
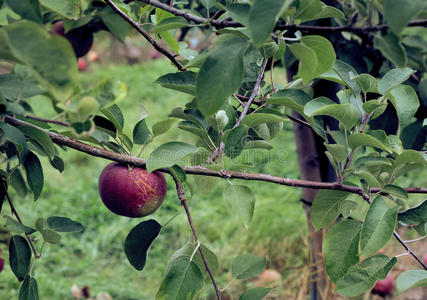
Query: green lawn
{"points": [[96, 257]]}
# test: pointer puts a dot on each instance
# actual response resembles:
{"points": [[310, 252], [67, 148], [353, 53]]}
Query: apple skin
{"points": [[81, 38], [1, 264], [384, 287], [131, 192]]}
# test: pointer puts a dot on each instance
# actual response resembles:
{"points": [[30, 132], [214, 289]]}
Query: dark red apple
{"points": [[1, 264], [81, 38], [384, 287], [131, 191]]}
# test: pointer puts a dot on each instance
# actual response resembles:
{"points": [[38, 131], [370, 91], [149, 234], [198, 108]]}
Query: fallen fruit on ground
{"points": [[425, 259], [130, 191], [93, 56], [1, 264], [82, 64], [384, 287], [269, 277]]}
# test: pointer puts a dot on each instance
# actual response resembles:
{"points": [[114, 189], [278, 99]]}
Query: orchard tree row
{"points": [[356, 92]]}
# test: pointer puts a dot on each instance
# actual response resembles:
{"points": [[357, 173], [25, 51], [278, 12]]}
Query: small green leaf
{"points": [[394, 190], [247, 266], [415, 215], [34, 172], [40, 138], [182, 281], [141, 133], [15, 226], [345, 113], [366, 82], [63, 224], [57, 163], [325, 208], [307, 60], [235, 141], [393, 78], [114, 114], [19, 256], [180, 81], [49, 235], [69, 9], [27, 9], [168, 155], [392, 49], [139, 241], [170, 23], [18, 183], [362, 139], [398, 13], [162, 126], [378, 226], [294, 99], [15, 136], [242, 200], [257, 293], [114, 22], [253, 120], [405, 101], [340, 248], [338, 151], [411, 279], [29, 289]]}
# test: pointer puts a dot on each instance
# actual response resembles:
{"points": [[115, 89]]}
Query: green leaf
{"points": [[15, 136], [168, 155], [182, 281], [253, 120], [405, 101], [27, 9], [51, 57], [262, 19], [393, 78], [247, 266], [180, 81], [29, 289], [307, 61], [239, 12], [162, 126], [366, 82], [18, 183], [49, 235], [347, 74], [414, 216], [170, 23], [69, 8], [378, 227], [114, 114], [57, 163], [40, 138], [398, 13], [338, 151], [235, 141], [63, 224], [34, 171], [411, 279], [362, 139], [220, 75], [390, 46], [115, 23], [345, 113], [19, 256], [108, 92], [139, 241], [394, 190], [257, 293], [340, 248], [15, 226], [242, 199], [294, 99], [325, 208], [141, 133]]}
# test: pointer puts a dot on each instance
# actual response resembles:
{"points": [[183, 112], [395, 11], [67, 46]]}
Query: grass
{"points": [[96, 258]]}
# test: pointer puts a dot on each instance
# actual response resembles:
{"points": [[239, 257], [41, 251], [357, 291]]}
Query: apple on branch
{"points": [[131, 191]]}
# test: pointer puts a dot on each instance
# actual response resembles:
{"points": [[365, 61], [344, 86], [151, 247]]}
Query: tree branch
{"points": [[306, 28], [183, 199], [200, 170], [15, 212], [138, 28]]}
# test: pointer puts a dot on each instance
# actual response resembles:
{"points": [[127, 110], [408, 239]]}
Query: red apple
{"points": [[82, 64], [131, 191], [384, 287], [80, 38], [1, 264]]}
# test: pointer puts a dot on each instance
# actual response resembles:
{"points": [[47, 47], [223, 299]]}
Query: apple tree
{"points": [[356, 92]]}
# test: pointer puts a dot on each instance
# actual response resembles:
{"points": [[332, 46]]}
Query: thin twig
{"points": [[138, 28], [415, 240], [289, 27], [200, 170], [47, 120], [183, 199], [15, 212]]}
